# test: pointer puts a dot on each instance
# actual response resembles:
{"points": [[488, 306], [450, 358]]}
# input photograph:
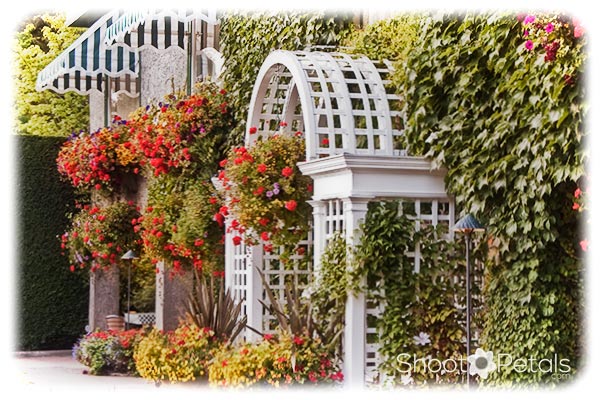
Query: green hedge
{"points": [[52, 301]]}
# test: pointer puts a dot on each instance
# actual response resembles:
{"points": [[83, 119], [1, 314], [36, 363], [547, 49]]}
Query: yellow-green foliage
{"points": [[390, 39], [177, 356], [276, 360], [45, 113]]}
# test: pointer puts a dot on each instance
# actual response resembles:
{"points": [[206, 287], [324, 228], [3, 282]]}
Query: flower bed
{"points": [[178, 356], [278, 360], [107, 352]]}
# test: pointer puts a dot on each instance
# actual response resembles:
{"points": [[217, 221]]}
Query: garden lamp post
{"points": [[467, 225], [128, 257]]}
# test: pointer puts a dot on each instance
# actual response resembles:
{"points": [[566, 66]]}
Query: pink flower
{"points": [[526, 32], [283, 124], [550, 27], [578, 28], [267, 336], [529, 19], [577, 193], [529, 45], [584, 244], [575, 206]]}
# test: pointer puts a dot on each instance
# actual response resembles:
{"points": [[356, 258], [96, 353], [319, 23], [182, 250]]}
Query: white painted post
{"points": [[159, 300], [355, 329], [254, 290]]}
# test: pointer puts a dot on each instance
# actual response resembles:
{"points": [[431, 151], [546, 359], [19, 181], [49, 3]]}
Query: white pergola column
{"points": [[319, 233], [355, 329]]}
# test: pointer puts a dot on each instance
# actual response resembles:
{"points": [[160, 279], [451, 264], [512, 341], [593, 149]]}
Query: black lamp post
{"points": [[129, 256], [467, 225]]}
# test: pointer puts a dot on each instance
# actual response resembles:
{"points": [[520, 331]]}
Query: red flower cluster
{"points": [[266, 192], [99, 236], [98, 160]]}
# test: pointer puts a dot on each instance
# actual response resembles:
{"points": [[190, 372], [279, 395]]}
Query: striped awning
{"points": [[160, 29], [82, 67]]}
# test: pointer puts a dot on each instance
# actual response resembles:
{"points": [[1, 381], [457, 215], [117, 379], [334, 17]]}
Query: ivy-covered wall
{"points": [[498, 100], [247, 38], [52, 301]]}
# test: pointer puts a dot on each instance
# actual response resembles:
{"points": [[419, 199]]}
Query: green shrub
{"points": [[105, 352], [56, 319], [176, 356]]}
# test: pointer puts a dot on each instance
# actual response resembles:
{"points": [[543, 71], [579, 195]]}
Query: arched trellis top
{"points": [[341, 102]]}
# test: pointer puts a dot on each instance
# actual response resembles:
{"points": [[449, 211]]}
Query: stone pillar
{"points": [[104, 297], [355, 329], [96, 105], [171, 297]]}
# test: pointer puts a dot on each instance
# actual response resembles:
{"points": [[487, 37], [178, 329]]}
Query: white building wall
{"points": [[162, 72]]}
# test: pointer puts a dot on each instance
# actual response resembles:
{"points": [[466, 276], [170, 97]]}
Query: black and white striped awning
{"points": [[160, 29], [83, 66]]}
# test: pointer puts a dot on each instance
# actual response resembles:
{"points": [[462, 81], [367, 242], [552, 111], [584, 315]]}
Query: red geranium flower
{"points": [[298, 341], [287, 172], [262, 168], [237, 240], [291, 205]]}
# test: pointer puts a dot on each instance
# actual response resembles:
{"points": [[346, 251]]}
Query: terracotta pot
{"points": [[115, 322]]}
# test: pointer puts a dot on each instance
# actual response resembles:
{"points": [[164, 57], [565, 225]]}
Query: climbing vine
{"points": [[420, 316], [329, 290], [498, 100]]}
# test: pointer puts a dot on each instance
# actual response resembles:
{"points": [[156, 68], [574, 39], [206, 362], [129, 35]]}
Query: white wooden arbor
{"points": [[355, 153]]}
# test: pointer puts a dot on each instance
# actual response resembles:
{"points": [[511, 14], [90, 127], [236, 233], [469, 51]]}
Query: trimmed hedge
{"points": [[52, 301]]}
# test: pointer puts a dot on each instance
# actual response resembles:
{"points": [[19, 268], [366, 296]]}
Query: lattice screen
{"points": [[297, 272], [334, 218], [241, 266]]}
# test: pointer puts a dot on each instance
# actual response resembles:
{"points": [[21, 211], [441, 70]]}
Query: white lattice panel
{"points": [[297, 272], [342, 102]]}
